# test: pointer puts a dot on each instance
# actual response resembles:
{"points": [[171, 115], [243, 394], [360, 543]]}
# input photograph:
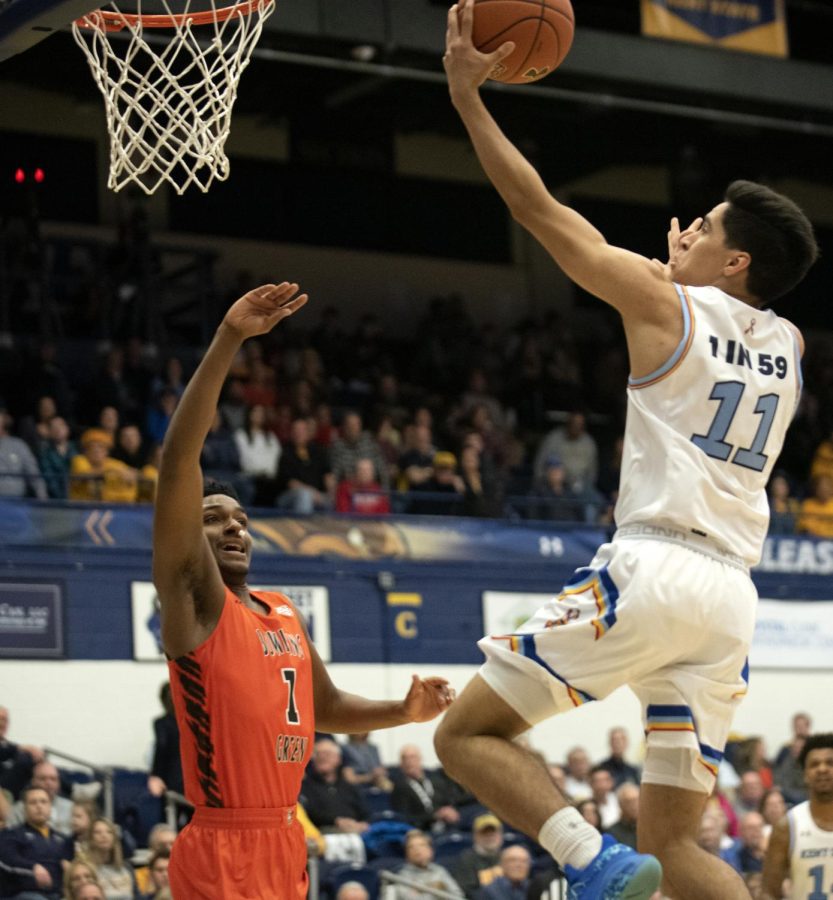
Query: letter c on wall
{"points": [[405, 624]]}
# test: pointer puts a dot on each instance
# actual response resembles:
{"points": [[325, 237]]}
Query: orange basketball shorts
{"points": [[240, 854]]}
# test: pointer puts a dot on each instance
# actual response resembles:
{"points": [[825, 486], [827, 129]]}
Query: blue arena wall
{"points": [[406, 590]]}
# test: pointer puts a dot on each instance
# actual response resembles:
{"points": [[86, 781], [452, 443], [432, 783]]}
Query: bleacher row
{"points": [[136, 812], [385, 850]]}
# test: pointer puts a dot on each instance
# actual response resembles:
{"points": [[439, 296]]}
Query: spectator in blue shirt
{"points": [[747, 853], [32, 855], [514, 883]]}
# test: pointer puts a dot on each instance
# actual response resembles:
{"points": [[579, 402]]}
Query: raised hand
{"points": [[466, 67], [262, 308], [674, 235], [427, 698]]}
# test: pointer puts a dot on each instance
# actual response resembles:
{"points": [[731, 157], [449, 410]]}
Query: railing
{"points": [[556, 890], [313, 870], [174, 802], [569, 512], [103, 773], [389, 878]]}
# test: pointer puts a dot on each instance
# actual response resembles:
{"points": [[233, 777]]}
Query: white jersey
{"points": [[705, 429], [811, 855]]}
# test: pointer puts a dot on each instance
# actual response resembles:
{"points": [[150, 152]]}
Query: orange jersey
{"points": [[244, 707]]}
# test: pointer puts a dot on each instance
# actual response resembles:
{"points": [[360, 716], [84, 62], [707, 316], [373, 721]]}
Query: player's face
{"points": [[702, 253], [818, 772], [225, 525]]}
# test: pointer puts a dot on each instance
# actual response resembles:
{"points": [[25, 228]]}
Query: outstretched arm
{"points": [[631, 283], [184, 570], [344, 713]]}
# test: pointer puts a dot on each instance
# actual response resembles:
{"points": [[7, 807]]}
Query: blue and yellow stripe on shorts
{"points": [[745, 677], [525, 645], [679, 718], [605, 593]]}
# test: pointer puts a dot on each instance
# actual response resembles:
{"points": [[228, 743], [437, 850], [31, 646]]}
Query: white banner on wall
{"points": [[313, 602], [793, 634], [504, 611], [789, 634]]}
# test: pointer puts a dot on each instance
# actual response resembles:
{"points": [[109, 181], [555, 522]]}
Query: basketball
{"points": [[542, 31]]}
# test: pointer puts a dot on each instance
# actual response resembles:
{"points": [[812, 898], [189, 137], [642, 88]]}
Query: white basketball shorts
{"points": [[671, 621]]}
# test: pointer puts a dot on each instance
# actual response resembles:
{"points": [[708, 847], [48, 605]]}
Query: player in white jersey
{"points": [[801, 844], [668, 606]]}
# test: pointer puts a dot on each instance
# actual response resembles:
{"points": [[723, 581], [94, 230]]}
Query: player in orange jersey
{"points": [[249, 688]]}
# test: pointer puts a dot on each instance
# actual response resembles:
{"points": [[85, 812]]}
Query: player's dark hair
{"points": [[814, 742], [212, 486], [774, 232]]}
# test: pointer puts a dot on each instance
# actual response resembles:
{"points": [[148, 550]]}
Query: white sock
{"points": [[570, 838]]}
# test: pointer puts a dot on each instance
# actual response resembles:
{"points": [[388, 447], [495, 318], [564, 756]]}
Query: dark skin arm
{"points": [[186, 575], [777, 860], [344, 713]]}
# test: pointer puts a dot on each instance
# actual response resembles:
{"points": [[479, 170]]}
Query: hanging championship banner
{"points": [[756, 26]]}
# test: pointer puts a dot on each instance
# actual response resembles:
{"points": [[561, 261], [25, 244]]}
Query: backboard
{"points": [[23, 23]]}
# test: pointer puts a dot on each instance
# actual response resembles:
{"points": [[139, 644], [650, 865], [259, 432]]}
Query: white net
{"points": [[169, 93]]}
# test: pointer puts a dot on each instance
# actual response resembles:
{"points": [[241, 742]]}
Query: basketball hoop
{"points": [[169, 99]]}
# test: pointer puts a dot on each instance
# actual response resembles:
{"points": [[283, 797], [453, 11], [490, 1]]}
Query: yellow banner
{"points": [[755, 26]]}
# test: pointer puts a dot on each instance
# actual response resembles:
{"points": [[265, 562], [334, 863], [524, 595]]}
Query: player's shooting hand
{"points": [[260, 310], [466, 67], [427, 698], [674, 235]]}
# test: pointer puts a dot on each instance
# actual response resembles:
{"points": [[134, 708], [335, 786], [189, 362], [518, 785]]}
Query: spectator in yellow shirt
{"points": [[95, 475], [817, 511], [823, 459]]}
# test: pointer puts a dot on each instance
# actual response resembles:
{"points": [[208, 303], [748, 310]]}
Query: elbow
{"points": [[520, 208]]}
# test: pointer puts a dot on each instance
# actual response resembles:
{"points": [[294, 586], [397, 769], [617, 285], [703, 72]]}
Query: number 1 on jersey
{"points": [[817, 874], [289, 676]]}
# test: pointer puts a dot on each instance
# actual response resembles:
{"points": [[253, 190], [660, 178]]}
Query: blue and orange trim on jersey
{"points": [[681, 351], [605, 593], [674, 717], [525, 645]]}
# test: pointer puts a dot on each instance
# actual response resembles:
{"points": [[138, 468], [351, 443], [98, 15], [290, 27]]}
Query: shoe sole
{"points": [[645, 881]]}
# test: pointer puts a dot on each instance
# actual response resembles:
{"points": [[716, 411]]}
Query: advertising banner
{"points": [[790, 634], [31, 620], [504, 611], [312, 602], [756, 26]]}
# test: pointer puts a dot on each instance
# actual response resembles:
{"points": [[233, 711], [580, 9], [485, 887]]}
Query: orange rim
{"points": [[116, 21]]}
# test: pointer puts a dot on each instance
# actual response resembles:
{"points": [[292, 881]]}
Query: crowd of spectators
{"points": [[364, 817], [460, 847], [53, 847], [459, 419]]}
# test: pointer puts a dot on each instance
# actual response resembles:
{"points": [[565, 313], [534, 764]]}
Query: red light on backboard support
{"points": [[40, 175], [19, 176]]}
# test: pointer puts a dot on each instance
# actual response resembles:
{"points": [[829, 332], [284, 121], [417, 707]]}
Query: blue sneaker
{"points": [[617, 873]]}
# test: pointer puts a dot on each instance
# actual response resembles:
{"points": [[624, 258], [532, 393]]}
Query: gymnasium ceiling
{"points": [[618, 98]]}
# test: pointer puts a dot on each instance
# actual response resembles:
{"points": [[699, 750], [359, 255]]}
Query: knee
{"points": [[443, 741], [668, 849], [448, 738]]}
